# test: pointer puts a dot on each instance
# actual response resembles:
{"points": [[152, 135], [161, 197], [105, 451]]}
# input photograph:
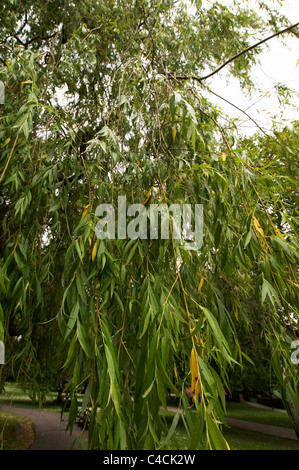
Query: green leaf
{"points": [[86, 397], [269, 291], [71, 350], [172, 429], [145, 394], [166, 380], [248, 238], [218, 335], [198, 429], [80, 286], [84, 341], [112, 370], [119, 301], [208, 376], [72, 320], [174, 100], [215, 437], [131, 254], [161, 389]]}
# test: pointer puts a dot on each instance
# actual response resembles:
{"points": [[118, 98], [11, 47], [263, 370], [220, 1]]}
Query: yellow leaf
{"points": [[89, 240], [236, 313], [175, 372], [297, 63], [94, 251], [24, 83], [267, 93], [174, 131], [6, 142], [279, 234], [147, 196], [85, 212], [195, 376], [258, 226], [202, 348], [223, 156], [294, 283], [200, 285], [228, 448], [7, 64]]}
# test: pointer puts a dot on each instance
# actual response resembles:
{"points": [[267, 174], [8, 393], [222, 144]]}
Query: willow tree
{"points": [[110, 99]]}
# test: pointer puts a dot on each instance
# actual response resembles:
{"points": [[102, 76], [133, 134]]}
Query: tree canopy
{"points": [[109, 99]]}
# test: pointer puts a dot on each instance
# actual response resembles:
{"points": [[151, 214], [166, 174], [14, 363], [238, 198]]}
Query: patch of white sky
{"points": [[278, 65]]}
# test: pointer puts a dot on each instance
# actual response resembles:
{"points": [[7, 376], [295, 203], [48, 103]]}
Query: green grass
{"points": [[16, 432], [258, 415], [14, 393], [239, 439]]}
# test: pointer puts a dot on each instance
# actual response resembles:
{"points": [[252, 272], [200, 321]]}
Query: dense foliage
{"points": [[99, 103]]}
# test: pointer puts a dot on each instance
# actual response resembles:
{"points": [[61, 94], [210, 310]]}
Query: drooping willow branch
{"points": [[248, 49]]}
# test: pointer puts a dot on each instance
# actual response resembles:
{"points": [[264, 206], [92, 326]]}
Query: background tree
{"points": [[133, 121]]}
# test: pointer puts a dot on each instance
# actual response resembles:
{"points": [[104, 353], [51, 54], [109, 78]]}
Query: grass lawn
{"points": [[13, 393], [258, 415], [16, 432], [239, 439]]}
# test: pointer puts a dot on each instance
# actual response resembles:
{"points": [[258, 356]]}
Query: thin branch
{"points": [[26, 44], [248, 49], [241, 110], [10, 155], [91, 31], [23, 25]]}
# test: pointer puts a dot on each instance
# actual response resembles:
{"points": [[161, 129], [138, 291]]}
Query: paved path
{"points": [[50, 430]]}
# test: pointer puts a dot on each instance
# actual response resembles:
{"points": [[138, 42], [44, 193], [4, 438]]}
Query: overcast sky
{"points": [[278, 64]]}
